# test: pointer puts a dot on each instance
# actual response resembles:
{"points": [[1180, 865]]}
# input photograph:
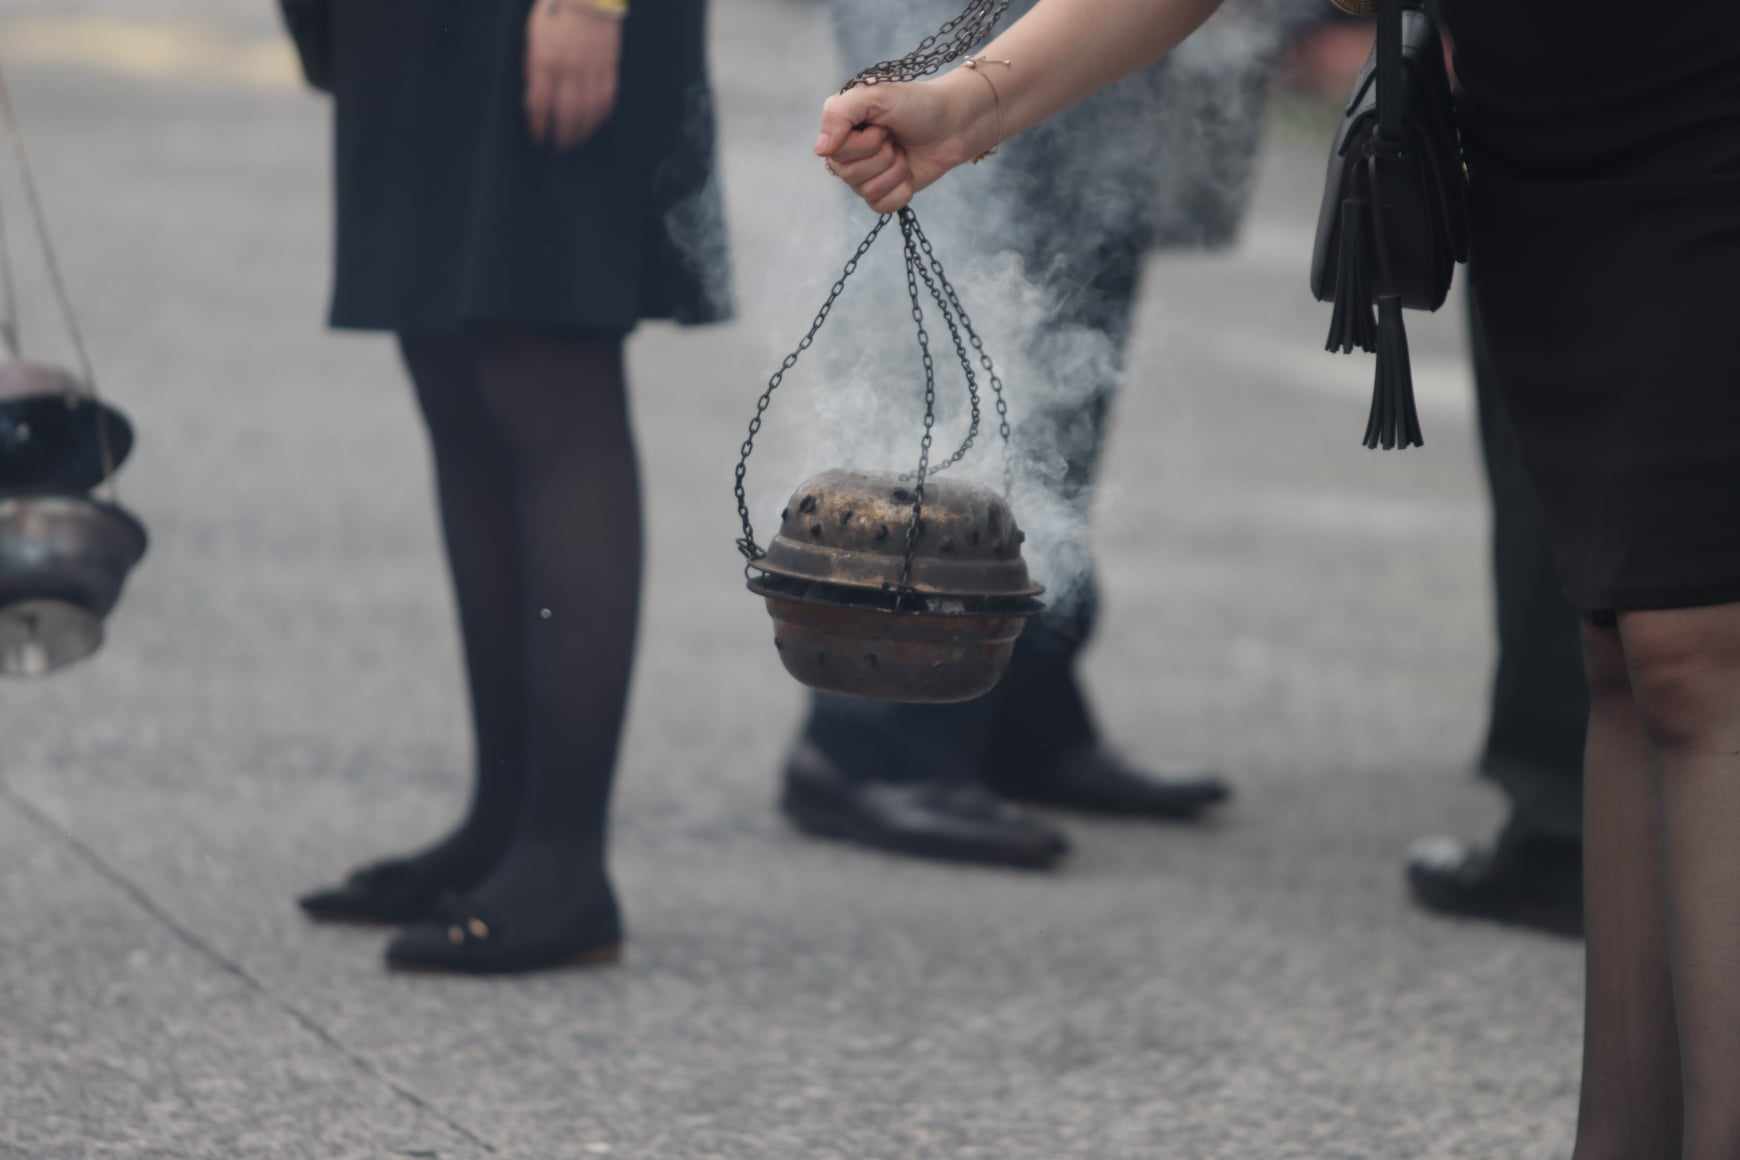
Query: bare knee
{"points": [[1684, 671]]}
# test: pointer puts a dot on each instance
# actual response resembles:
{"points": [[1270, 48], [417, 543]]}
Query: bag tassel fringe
{"points": [[1395, 420], [1351, 326]]}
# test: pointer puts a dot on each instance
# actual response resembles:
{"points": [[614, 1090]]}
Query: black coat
{"points": [[448, 216]]}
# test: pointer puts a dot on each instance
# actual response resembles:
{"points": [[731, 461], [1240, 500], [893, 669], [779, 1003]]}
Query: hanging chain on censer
{"points": [[934, 614], [64, 552]]}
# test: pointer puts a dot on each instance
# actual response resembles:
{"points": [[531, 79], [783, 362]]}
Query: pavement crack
{"points": [[192, 940]]}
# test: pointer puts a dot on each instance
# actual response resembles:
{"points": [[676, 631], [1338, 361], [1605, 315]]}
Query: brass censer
{"points": [[65, 553], [900, 587]]}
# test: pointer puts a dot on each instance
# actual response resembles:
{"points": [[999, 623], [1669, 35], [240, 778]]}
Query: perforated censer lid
{"points": [[849, 528]]}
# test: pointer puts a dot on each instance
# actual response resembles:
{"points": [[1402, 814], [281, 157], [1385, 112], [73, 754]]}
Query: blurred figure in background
{"points": [[513, 182], [1529, 874], [1083, 208]]}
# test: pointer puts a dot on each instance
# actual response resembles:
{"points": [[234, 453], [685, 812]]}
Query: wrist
{"points": [[974, 125]]}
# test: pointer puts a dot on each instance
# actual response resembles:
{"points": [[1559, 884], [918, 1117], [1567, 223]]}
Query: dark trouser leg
{"points": [[1540, 702], [1042, 710], [1039, 711], [1530, 873]]}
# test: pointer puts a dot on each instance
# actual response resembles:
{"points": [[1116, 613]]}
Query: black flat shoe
{"points": [[1096, 780], [1523, 878], [952, 823], [465, 941], [395, 892]]}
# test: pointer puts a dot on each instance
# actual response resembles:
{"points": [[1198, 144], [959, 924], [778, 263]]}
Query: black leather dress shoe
{"points": [[388, 892], [950, 822], [464, 940], [1096, 780], [1522, 878]]}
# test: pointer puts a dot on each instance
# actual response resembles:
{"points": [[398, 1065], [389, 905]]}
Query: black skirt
{"points": [[448, 216], [1605, 165]]}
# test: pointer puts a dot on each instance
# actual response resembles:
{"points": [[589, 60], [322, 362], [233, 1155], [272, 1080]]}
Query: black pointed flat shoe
{"points": [[1096, 780], [465, 941], [1523, 878], [392, 892]]}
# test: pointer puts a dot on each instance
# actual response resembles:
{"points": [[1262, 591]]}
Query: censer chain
{"points": [[951, 311], [954, 40], [991, 376], [8, 295], [946, 45], [56, 281], [916, 524], [747, 545]]}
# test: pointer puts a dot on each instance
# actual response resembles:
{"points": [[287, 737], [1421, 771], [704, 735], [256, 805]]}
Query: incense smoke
{"points": [[1161, 159]]}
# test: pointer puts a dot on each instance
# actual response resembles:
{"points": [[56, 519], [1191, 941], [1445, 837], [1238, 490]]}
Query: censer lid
{"points": [[849, 528], [54, 434]]}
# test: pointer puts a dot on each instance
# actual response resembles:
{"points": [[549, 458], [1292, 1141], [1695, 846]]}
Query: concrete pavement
{"points": [[281, 695]]}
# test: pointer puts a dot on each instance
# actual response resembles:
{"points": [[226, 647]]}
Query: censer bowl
{"points": [[63, 562], [52, 431], [843, 621]]}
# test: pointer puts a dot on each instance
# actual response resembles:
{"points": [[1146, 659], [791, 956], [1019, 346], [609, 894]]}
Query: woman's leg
{"points": [[474, 483], [474, 477], [1630, 1107], [1685, 669], [559, 407]]}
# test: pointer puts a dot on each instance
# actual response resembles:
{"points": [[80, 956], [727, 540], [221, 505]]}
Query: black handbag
{"points": [[1394, 221], [310, 26]]}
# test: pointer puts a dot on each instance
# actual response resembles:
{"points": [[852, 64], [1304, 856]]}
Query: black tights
{"points": [[540, 509], [1661, 1055]]}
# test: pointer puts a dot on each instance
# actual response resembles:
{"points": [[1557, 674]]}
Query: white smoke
{"points": [[1163, 157]]}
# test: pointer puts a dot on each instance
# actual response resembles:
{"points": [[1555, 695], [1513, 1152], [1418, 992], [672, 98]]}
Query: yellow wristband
{"points": [[614, 9]]}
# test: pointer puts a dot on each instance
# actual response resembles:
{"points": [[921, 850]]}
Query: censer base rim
{"points": [[890, 602], [39, 637], [878, 584]]}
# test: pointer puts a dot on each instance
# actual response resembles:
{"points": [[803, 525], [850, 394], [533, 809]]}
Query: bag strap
{"points": [[1392, 84]]}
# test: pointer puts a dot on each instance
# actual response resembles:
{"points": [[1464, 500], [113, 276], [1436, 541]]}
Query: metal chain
{"points": [[747, 545], [944, 46], [985, 363], [56, 280], [915, 264], [8, 296], [915, 526], [953, 40]]}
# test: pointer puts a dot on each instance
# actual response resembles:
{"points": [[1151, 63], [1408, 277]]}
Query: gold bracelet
{"points": [[977, 64], [613, 9]]}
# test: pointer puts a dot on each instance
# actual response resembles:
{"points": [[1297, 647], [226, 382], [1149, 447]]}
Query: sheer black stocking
{"points": [[540, 506], [1630, 1107], [475, 489], [1685, 675]]}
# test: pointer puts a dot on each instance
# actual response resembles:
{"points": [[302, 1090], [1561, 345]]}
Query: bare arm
{"points": [[890, 141]]}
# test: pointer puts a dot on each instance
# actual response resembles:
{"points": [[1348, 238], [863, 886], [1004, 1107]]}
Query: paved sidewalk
{"points": [[281, 697]]}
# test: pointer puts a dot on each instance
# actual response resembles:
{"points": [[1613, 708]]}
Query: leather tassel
{"points": [[1394, 421], [1350, 324]]}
